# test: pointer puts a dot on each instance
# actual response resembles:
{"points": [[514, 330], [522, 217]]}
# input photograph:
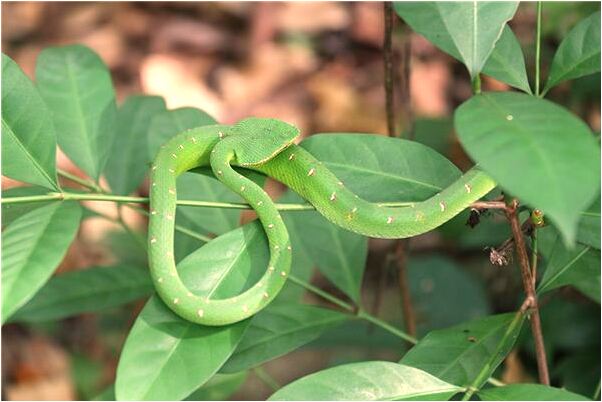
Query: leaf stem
{"points": [[476, 85], [538, 49], [387, 327], [267, 379], [84, 182], [319, 292], [144, 200]]}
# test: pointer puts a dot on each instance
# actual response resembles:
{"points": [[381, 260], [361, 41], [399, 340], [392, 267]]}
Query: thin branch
{"points": [[406, 93], [388, 64], [529, 287], [89, 184]]}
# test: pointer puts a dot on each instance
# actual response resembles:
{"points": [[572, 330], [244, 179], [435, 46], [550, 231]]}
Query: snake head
{"points": [[257, 140]]}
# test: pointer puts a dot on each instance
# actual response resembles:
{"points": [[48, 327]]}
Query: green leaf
{"points": [[534, 149], [459, 353], [166, 357], [579, 266], [10, 212], [85, 291], [76, 86], [219, 388], [578, 54], [32, 247], [128, 161], [528, 392], [367, 381], [168, 123], [280, 329], [381, 168], [467, 31], [589, 225], [28, 137], [192, 186], [507, 62], [430, 278]]}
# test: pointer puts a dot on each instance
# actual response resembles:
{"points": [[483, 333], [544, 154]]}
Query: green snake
{"points": [[266, 146]]}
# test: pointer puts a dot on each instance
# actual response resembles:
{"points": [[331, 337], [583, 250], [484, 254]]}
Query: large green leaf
{"points": [[219, 388], [529, 392], [367, 381], [166, 357], [32, 247], [579, 266], [381, 168], [278, 330], [459, 353], [171, 122], [467, 31], [28, 137], [86, 291], [507, 62], [76, 86], [536, 150], [578, 54], [128, 161]]}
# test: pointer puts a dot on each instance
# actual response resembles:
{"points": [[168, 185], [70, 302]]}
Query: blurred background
{"points": [[318, 65]]}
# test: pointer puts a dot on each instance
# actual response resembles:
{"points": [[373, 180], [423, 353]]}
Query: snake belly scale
{"points": [[266, 145]]}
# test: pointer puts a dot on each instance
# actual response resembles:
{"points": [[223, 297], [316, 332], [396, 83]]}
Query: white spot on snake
{"points": [[442, 206], [174, 156], [153, 240], [271, 225], [354, 210], [282, 273], [219, 173], [419, 216], [242, 188], [200, 312], [333, 197], [190, 294], [176, 300], [213, 151], [276, 247], [181, 146], [260, 202], [160, 280], [289, 248], [341, 183], [173, 273], [468, 188], [271, 269], [266, 295], [193, 140], [311, 172], [169, 254], [221, 135], [154, 167], [169, 216], [291, 157], [171, 171], [390, 219], [172, 191], [509, 117], [153, 212], [154, 184]]}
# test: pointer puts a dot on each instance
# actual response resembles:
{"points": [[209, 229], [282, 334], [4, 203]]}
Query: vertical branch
{"points": [[388, 64], [538, 48], [406, 93], [529, 286], [400, 245]]}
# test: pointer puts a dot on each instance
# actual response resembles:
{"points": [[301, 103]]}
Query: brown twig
{"points": [[529, 286], [406, 94], [409, 319], [388, 65]]}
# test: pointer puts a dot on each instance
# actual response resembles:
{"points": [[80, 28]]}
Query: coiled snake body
{"points": [[266, 145]]}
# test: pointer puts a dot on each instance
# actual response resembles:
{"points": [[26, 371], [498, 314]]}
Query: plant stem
{"points": [[597, 392], [319, 292], [529, 287], [476, 85], [267, 379], [538, 48], [387, 327], [534, 256], [480, 378], [84, 182], [144, 200], [401, 253], [388, 65]]}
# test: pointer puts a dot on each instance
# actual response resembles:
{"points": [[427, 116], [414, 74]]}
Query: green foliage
{"points": [[369, 381], [32, 247], [529, 392], [76, 85], [31, 143], [467, 31], [578, 54], [533, 148]]}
